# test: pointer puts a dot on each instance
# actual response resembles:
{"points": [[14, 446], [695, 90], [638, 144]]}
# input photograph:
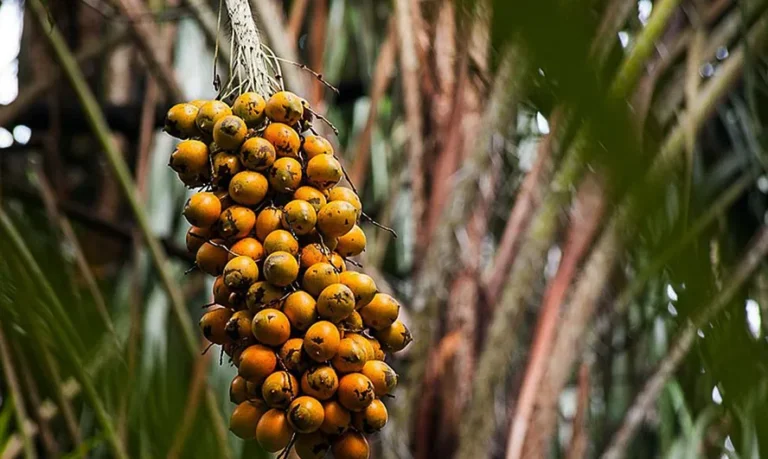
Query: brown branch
{"points": [[678, 350], [382, 77], [586, 215], [580, 436], [409, 66], [31, 93], [295, 20], [148, 38]]}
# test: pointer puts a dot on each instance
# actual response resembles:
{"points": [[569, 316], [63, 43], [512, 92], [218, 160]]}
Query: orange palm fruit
{"points": [[311, 446], [306, 414], [250, 107], [321, 342], [381, 312], [280, 389], [323, 171], [319, 276], [284, 138], [209, 113], [196, 237], [238, 390], [281, 241], [202, 209], [247, 247], [312, 195], [248, 188], [337, 419], [382, 376], [257, 154], [246, 417], [285, 107], [395, 337], [236, 222], [256, 363], [352, 243], [340, 193], [355, 391], [190, 160], [351, 445], [301, 309], [350, 357], [320, 382], [240, 272], [293, 357], [229, 132], [281, 268], [268, 220], [224, 166], [263, 295], [362, 286], [299, 217], [336, 302], [316, 145], [214, 323], [211, 257], [336, 218], [285, 175], [372, 419], [180, 121], [271, 327], [273, 431]]}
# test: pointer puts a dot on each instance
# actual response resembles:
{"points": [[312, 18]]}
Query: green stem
{"points": [[16, 397], [120, 170], [11, 234]]}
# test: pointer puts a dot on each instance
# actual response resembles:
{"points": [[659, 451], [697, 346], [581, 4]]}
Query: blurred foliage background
{"points": [[579, 189]]}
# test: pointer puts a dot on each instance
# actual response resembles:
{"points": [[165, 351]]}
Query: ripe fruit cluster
{"points": [[308, 336]]}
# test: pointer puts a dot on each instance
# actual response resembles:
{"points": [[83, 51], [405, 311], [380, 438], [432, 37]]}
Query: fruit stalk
{"points": [[248, 64]]}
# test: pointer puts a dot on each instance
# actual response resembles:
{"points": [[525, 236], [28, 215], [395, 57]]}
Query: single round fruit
{"points": [[214, 324], [238, 390], [319, 276], [247, 247], [269, 220], [336, 218], [279, 389], [305, 414], [312, 253], [382, 376], [350, 358], [381, 312], [336, 420], [285, 107], [202, 209], [284, 138], [370, 354], [336, 302], [273, 431], [229, 132], [362, 286], [321, 342], [196, 237], [220, 291], [351, 445], [320, 382], [372, 419], [236, 222], [257, 154], [271, 327], [211, 259], [248, 188], [315, 145], [240, 272], [395, 337], [352, 323], [209, 113], [301, 309], [323, 171], [246, 417], [256, 363], [225, 166], [355, 391], [281, 241], [285, 175], [250, 107], [262, 294], [239, 325], [292, 355], [190, 158], [311, 446], [299, 217], [340, 193], [281, 268], [312, 195], [352, 243], [180, 121]]}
